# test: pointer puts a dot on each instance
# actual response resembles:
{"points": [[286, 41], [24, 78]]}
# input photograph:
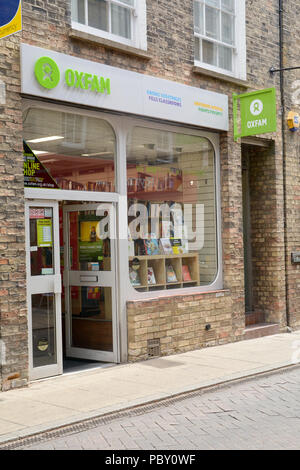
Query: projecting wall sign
{"points": [[66, 78], [257, 113]]}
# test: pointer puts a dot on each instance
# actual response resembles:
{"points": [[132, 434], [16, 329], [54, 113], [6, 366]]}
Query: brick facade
{"points": [[13, 313], [178, 321]]}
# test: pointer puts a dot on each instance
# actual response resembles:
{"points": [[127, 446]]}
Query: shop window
{"points": [[123, 21], [172, 228], [219, 28], [68, 151]]}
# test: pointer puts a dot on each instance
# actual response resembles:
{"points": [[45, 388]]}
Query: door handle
{"points": [[88, 278]]}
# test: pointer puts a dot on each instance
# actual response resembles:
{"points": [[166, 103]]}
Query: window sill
{"points": [[163, 295], [109, 44], [225, 78]]}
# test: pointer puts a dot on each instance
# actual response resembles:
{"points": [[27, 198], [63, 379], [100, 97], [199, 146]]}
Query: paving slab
{"points": [[70, 398]]}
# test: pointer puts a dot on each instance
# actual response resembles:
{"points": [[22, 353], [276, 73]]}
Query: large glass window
{"points": [[220, 34], [68, 151], [172, 228]]}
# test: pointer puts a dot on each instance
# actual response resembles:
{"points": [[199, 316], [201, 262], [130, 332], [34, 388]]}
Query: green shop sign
{"points": [[258, 113], [48, 75]]}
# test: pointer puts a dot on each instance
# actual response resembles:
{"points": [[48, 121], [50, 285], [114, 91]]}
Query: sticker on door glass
{"points": [[44, 232], [47, 271], [36, 213], [48, 212]]}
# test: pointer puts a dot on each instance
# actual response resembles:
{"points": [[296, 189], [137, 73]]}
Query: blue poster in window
{"points": [[10, 17]]}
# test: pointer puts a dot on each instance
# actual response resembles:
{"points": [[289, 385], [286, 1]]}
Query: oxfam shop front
{"points": [[122, 201]]}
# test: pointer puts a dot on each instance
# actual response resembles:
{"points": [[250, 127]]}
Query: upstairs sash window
{"points": [[219, 31]]}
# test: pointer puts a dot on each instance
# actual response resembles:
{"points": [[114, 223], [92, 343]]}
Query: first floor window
{"points": [[172, 228], [112, 16], [219, 29]]}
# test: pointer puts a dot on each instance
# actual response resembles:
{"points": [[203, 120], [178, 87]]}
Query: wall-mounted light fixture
{"points": [[293, 121]]}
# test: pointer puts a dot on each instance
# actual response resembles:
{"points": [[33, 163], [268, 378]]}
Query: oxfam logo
{"points": [[47, 72], [256, 107]]}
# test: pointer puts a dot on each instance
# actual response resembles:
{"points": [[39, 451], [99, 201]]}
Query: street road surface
{"points": [[262, 413]]}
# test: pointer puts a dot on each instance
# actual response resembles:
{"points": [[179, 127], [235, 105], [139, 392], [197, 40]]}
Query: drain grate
{"points": [[153, 347]]}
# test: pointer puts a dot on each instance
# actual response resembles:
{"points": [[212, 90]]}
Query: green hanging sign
{"points": [[258, 113]]}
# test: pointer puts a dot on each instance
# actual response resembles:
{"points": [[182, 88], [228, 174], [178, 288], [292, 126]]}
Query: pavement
{"points": [[71, 398], [261, 413]]}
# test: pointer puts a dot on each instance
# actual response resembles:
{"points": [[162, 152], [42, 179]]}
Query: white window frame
{"points": [[138, 24], [239, 48]]}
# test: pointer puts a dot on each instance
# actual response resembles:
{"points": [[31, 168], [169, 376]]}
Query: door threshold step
{"points": [[261, 329]]}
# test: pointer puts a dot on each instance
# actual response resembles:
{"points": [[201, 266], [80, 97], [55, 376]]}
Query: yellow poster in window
{"points": [[44, 232], [88, 231], [10, 17]]}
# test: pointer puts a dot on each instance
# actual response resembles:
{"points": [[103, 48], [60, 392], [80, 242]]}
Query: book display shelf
{"points": [[158, 260], [159, 272]]}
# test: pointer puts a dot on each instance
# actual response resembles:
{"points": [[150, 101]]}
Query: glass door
{"points": [[90, 281], [43, 289]]}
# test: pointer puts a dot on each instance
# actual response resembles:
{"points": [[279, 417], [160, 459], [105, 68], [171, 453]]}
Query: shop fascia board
{"points": [[122, 90]]}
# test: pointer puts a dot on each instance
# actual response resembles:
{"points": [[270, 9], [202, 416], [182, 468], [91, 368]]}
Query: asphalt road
{"points": [[262, 413]]}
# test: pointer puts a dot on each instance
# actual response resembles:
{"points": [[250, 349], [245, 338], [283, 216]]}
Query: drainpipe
{"points": [[283, 116]]}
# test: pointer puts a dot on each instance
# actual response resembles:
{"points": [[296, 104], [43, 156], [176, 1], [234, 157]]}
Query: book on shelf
{"points": [[170, 273], [167, 229], [154, 210], [93, 293], [134, 277], [177, 215], [176, 246], [185, 246], [93, 266], [149, 184], [140, 247], [131, 248], [151, 247], [166, 246], [151, 276], [186, 275]]}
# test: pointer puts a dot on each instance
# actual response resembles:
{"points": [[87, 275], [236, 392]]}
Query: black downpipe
{"points": [[283, 119]]}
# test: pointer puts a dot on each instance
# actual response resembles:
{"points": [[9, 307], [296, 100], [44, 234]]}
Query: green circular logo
{"points": [[47, 72]]}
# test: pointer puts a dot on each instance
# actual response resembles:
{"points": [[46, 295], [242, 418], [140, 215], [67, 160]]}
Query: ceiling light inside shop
{"points": [[98, 154], [40, 152], [46, 139]]}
